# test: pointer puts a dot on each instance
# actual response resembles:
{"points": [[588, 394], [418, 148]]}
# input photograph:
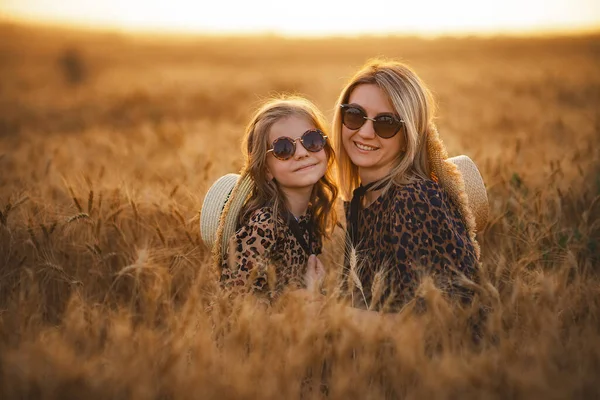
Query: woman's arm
{"points": [[435, 235]]}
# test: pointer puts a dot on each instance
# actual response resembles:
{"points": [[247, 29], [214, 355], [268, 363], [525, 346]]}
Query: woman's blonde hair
{"points": [[255, 146], [425, 153], [412, 101]]}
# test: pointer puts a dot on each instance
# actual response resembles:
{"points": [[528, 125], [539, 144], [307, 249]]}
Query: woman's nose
{"points": [[367, 131]]}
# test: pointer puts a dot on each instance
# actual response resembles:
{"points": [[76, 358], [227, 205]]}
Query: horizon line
{"points": [[107, 28]]}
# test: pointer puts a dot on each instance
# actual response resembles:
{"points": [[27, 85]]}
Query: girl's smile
{"points": [[306, 167]]}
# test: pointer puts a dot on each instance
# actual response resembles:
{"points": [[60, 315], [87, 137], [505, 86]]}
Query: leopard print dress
{"points": [[264, 257], [407, 232]]}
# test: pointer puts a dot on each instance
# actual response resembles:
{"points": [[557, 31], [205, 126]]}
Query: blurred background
{"points": [[316, 18], [509, 71], [130, 75]]}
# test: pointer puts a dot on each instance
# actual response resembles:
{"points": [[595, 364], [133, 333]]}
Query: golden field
{"points": [[108, 143]]}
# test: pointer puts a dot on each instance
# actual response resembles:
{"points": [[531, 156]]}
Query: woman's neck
{"points": [[368, 176], [371, 175], [297, 199]]}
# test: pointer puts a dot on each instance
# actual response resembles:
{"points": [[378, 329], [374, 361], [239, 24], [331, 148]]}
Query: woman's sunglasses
{"points": [[284, 147], [385, 125]]}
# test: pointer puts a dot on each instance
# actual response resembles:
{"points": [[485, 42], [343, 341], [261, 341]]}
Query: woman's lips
{"points": [[364, 147]]}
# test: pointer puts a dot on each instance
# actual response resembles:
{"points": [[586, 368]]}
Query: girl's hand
{"points": [[315, 273]]}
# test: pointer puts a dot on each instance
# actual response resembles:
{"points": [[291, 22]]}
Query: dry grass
{"points": [[108, 144]]}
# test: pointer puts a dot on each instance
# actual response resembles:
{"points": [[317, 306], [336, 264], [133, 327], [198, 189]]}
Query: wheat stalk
{"points": [[179, 216], [173, 191], [32, 236], [90, 202], [98, 227], [353, 274], [118, 229], [135, 210], [95, 250], [377, 287], [20, 201], [77, 217], [113, 215], [161, 236], [45, 231], [75, 200], [11, 207]]}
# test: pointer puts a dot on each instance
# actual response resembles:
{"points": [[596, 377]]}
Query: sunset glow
{"points": [[315, 17]]}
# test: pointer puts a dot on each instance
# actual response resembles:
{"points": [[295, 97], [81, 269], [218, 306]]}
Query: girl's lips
{"points": [[307, 167]]}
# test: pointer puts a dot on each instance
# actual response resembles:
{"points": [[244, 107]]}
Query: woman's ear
{"points": [[269, 174]]}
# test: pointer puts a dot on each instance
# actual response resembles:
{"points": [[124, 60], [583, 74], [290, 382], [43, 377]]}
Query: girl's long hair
{"points": [[268, 193], [412, 101]]}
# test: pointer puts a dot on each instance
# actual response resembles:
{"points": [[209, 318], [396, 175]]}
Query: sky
{"points": [[315, 17]]}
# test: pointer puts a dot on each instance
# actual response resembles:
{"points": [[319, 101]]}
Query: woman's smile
{"points": [[364, 147]]}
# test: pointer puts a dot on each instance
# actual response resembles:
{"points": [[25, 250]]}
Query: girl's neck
{"points": [[297, 199]]}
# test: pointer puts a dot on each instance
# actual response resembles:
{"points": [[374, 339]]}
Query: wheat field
{"points": [[109, 142]]}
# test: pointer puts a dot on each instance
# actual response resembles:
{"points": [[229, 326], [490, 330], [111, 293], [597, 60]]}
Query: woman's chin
{"points": [[364, 160]]}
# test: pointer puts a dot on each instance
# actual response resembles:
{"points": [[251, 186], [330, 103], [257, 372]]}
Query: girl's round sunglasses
{"points": [[284, 147], [385, 125]]}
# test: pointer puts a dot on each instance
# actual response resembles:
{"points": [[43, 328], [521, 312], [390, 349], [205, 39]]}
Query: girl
{"points": [[405, 217], [287, 206]]}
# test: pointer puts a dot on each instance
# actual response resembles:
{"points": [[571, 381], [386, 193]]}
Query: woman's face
{"points": [[304, 168], [374, 156]]}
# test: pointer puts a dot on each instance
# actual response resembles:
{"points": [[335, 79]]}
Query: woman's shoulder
{"points": [[420, 185], [419, 191], [427, 187]]}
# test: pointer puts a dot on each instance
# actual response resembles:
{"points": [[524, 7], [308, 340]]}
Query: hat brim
{"points": [[214, 203], [474, 188], [229, 217]]}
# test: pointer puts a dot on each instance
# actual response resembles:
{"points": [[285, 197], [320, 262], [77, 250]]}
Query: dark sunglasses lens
{"points": [[386, 126], [353, 118], [313, 141], [283, 148]]}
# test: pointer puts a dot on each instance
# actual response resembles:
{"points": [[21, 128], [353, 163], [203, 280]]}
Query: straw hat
{"points": [[461, 179], [473, 187], [220, 209]]}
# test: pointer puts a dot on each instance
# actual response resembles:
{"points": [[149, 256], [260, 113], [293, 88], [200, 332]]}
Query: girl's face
{"points": [[374, 156], [304, 168]]}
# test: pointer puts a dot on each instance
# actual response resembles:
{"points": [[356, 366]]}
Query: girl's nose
{"points": [[301, 152]]}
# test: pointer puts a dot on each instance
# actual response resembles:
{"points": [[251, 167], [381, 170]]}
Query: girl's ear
{"points": [[269, 174]]}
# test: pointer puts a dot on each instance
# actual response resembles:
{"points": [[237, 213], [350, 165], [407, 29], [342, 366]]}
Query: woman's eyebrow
{"points": [[379, 113], [357, 106]]}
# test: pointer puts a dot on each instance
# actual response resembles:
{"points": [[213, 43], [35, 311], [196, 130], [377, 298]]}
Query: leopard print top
{"points": [[411, 230], [264, 256]]}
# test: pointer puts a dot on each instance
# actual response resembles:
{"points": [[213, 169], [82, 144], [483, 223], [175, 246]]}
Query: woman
{"points": [[408, 215]]}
